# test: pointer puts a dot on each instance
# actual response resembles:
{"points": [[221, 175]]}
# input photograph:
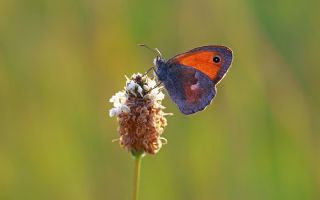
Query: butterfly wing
{"points": [[189, 88], [204, 60], [191, 78]]}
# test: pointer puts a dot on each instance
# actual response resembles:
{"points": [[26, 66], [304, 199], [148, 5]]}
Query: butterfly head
{"points": [[159, 61], [161, 68]]}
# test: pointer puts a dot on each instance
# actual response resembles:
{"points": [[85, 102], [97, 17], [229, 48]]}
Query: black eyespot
{"points": [[216, 59]]}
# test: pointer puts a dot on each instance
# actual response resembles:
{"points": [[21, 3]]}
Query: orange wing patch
{"points": [[203, 61]]}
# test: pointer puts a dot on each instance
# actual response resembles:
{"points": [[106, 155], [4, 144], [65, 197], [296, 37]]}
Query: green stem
{"points": [[136, 180]]}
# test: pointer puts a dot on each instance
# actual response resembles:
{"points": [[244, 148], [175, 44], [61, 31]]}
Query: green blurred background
{"points": [[61, 61]]}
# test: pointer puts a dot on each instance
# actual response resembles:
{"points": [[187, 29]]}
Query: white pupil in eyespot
{"points": [[216, 59]]}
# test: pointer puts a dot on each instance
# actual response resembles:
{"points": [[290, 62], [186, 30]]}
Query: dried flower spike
{"points": [[140, 115]]}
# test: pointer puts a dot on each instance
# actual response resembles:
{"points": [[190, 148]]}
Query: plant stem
{"points": [[136, 179]]}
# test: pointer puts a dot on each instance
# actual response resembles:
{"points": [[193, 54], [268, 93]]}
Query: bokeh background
{"points": [[61, 61]]}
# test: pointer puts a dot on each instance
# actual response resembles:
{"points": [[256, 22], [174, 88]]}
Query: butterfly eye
{"points": [[216, 59]]}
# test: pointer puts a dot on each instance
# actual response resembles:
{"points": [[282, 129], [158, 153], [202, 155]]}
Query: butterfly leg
{"points": [[150, 69], [158, 84]]}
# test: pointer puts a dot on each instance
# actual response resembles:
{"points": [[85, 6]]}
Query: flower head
{"points": [[140, 115]]}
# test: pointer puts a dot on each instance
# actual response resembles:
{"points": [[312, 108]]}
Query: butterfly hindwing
{"points": [[189, 88]]}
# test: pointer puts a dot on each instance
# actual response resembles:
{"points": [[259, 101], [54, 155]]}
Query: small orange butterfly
{"points": [[191, 77]]}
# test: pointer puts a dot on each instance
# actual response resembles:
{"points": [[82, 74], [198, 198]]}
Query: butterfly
{"points": [[191, 77]]}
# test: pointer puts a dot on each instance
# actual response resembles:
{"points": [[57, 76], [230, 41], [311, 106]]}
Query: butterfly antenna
{"points": [[155, 50], [159, 53]]}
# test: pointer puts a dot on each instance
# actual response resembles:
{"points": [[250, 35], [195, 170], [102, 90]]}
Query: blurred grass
{"points": [[60, 61]]}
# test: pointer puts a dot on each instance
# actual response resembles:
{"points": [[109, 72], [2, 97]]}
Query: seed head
{"points": [[140, 115]]}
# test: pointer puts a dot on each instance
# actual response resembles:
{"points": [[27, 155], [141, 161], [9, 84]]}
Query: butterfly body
{"points": [[191, 78]]}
